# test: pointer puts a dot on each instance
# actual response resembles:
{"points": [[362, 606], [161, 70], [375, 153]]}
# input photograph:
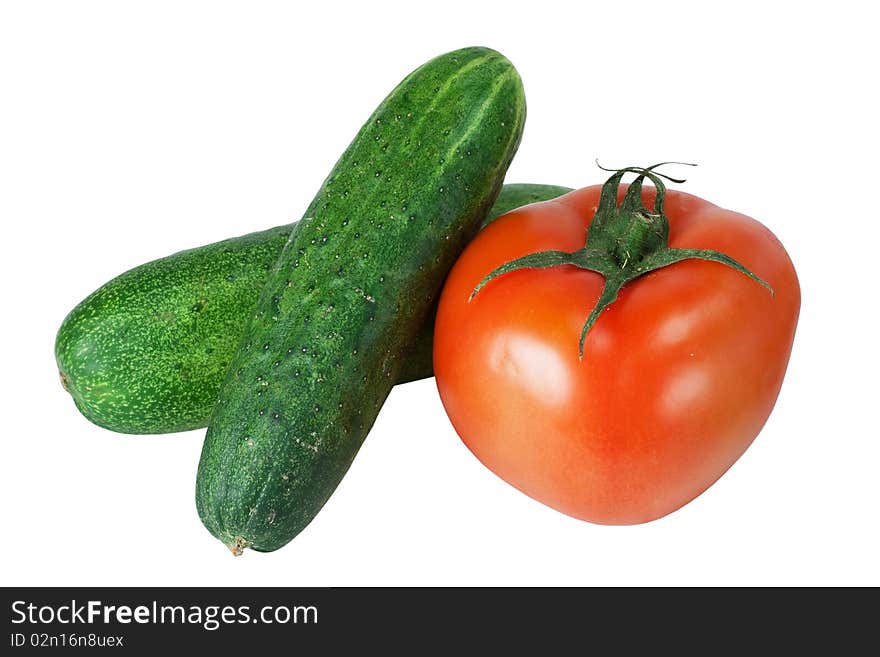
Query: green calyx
{"points": [[624, 242]]}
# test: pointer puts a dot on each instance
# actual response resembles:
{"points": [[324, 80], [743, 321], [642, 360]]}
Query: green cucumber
{"points": [[350, 291], [182, 317]]}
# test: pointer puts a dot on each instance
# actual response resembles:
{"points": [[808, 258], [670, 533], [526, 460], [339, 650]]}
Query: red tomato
{"points": [[677, 377]]}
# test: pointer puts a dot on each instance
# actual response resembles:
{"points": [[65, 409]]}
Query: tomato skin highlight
{"points": [[678, 375]]}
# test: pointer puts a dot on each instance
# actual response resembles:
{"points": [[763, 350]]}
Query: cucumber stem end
{"points": [[237, 547]]}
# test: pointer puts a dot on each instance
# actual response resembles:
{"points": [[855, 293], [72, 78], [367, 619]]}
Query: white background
{"points": [[132, 130]]}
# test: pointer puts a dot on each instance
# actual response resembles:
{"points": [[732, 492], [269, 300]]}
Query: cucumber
{"points": [[350, 291], [181, 318]]}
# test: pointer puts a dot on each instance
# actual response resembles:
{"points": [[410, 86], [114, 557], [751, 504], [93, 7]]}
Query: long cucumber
{"points": [[349, 293], [147, 351]]}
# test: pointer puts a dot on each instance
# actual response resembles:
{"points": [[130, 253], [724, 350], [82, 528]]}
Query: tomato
{"points": [[675, 379]]}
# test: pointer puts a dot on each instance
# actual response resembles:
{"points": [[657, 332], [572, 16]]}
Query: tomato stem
{"points": [[624, 241]]}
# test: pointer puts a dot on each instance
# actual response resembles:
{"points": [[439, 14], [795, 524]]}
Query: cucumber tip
{"points": [[237, 547]]}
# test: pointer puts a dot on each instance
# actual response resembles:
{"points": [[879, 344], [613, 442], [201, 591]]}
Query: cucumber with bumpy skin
{"points": [[182, 317], [349, 293]]}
